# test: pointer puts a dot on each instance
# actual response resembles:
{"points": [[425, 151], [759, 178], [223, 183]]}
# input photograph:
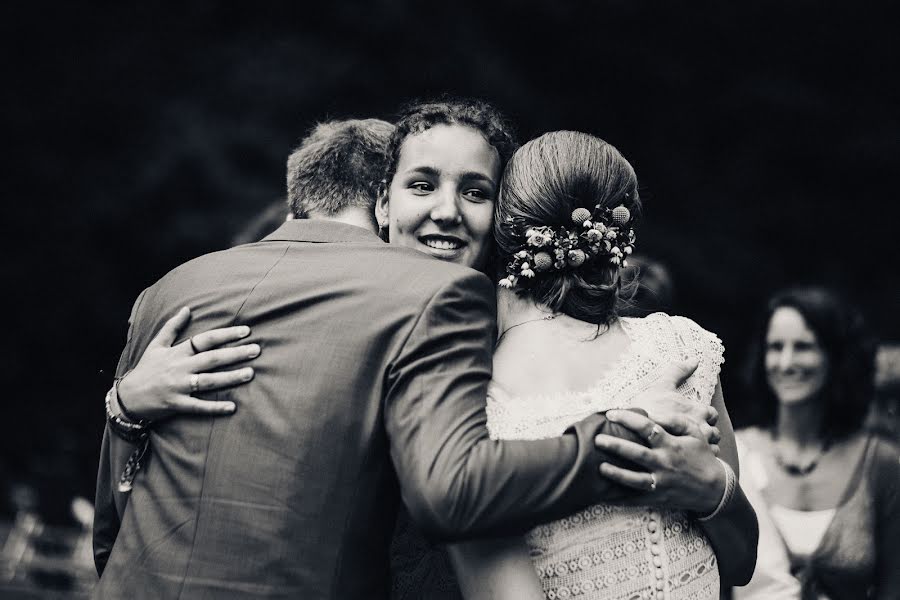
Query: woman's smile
{"points": [[441, 200]]}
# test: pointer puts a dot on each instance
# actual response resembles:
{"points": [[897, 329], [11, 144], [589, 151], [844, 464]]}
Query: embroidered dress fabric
{"points": [[613, 552]]}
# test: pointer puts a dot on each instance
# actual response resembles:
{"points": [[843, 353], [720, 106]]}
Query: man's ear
{"points": [[382, 205]]}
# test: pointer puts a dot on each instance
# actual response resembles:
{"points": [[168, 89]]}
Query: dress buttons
{"points": [[653, 521]]}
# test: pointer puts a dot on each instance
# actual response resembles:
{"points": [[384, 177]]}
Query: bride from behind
{"points": [[564, 226]]}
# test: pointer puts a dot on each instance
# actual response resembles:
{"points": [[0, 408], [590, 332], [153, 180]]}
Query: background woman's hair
{"points": [[420, 116], [847, 343], [544, 182]]}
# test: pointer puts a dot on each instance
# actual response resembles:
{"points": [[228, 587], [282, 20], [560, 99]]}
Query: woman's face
{"points": [[796, 365], [441, 199]]}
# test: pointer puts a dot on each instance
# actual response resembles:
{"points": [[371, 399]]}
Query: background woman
{"points": [[826, 489]]}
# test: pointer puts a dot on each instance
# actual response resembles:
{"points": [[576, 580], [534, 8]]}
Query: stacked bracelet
{"points": [[730, 487], [130, 431]]}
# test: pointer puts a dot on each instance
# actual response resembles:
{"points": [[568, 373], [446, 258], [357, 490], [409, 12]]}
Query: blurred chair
{"points": [[43, 561]]}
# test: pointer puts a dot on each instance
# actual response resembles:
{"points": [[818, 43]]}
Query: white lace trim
{"points": [[612, 551]]}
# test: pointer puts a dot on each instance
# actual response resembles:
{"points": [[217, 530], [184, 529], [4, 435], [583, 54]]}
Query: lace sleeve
{"points": [[710, 352]]}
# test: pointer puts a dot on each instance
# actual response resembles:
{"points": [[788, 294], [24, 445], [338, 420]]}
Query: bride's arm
{"points": [[495, 569]]}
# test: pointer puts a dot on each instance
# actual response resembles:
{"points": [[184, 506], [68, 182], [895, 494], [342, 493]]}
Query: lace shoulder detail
{"points": [[680, 338], [655, 341]]}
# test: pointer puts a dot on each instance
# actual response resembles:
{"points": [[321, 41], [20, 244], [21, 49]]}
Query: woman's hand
{"points": [[162, 382], [682, 470], [662, 402]]}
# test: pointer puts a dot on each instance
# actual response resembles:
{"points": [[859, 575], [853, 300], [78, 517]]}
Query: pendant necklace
{"points": [[549, 317]]}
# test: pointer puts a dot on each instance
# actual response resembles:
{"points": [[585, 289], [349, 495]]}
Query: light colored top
{"points": [[616, 551], [801, 530]]}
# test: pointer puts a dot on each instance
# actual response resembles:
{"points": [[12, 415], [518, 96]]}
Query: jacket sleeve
{"points": [[734, 532], [455, 480], [109, 503]]}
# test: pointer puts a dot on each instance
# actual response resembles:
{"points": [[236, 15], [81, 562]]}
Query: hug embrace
{"points": [[420, 387]]}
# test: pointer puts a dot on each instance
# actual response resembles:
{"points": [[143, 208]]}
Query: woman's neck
{"points": [[513, 310], [800, 423]]}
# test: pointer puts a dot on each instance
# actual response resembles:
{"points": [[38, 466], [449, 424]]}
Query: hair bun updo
{"points": [[544, 183]]}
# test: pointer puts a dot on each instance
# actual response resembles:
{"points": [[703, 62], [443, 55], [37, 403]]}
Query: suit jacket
{"points": [[370, 385]]}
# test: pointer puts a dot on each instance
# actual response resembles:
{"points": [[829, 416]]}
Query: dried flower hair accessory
{"points": [[605, 233]]}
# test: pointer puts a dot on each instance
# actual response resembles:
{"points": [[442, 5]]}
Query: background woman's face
{"points": [[441, 199], [796, 365]]}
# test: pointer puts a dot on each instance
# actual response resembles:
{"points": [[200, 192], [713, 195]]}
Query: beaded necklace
{"points": [[796, 470]]}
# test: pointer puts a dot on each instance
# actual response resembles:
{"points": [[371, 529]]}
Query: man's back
{"points": [[294, 495]]}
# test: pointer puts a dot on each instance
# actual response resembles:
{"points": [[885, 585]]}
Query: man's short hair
{"points": [[337, 166]]}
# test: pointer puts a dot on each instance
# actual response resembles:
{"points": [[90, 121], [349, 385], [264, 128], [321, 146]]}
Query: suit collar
{"points": [[320, 230]]}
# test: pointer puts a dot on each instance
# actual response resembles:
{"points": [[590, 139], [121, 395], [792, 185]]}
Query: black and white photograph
{"points": [[454, 301]]}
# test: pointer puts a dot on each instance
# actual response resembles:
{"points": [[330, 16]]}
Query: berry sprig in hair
{"points": [[604, 234]]}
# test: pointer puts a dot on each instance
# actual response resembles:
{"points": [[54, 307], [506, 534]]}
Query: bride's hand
{"points": [[162, 382], [682, 471]]}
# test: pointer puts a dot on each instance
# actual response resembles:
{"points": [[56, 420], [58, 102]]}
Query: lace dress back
{"points": [[614, 551]]}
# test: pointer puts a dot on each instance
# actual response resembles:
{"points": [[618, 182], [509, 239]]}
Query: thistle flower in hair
{"points": [[576, 258], [580, 216], [542, 262], [620, 215]]}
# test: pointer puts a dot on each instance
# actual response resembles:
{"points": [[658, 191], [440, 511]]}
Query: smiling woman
{"points": [[441, 200], [443, 174], [796, 366], [825, 489]]}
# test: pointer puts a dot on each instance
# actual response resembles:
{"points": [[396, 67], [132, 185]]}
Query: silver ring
{"points": [[654, 432], [193, 347], [652, 482], [195, 383]]}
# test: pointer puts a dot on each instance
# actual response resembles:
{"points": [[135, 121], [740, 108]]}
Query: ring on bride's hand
{"points": [[654, 432], [193, 347], [195, 383], [652, 482]]}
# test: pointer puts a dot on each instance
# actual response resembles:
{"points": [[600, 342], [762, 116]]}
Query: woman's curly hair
{"points": [[420, 116]]}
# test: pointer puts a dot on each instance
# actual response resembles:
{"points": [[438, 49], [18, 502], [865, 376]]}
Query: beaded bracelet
{"points": [[730, 487], [128, 431], [128, 416]]}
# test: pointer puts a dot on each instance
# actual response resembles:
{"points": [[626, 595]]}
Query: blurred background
{"points": [[766, 137]]}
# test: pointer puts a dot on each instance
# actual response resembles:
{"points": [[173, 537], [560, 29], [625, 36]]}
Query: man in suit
{"points": [[370, 386]]}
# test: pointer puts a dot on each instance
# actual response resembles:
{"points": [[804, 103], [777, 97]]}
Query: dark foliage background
{"points": [[766, 136]]}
